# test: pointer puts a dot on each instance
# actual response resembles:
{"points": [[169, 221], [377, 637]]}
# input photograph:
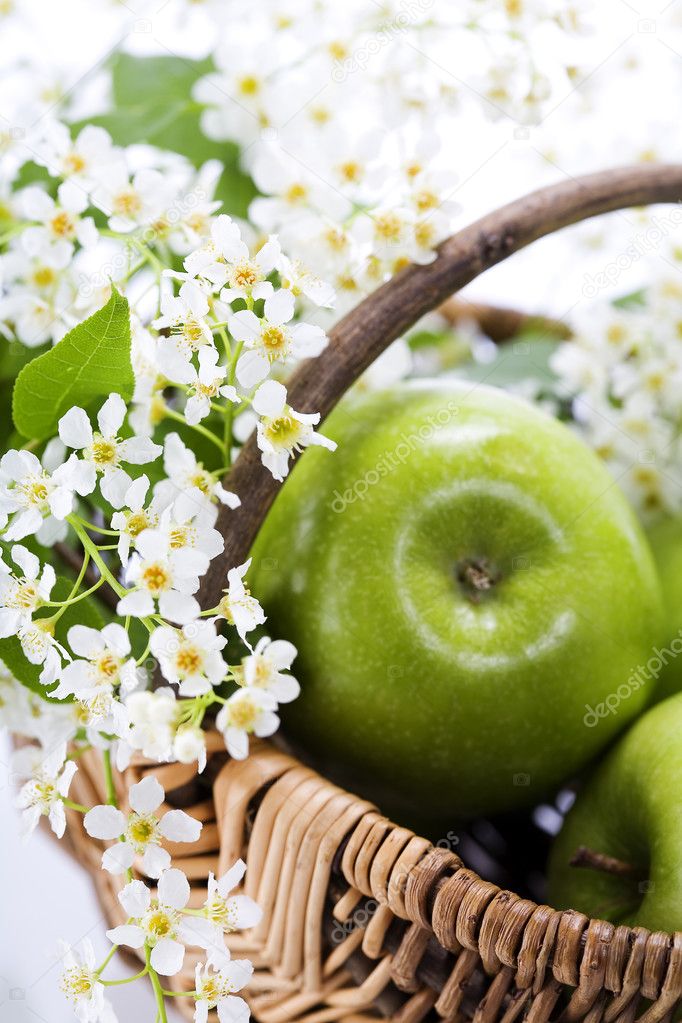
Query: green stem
{"points": [[172, 414], [74, 590], [109, 778], [124, 980], [230, 409], [91, 548], [74, 806], [110, 956], [63, 604], [156, 984], [93, 528]]}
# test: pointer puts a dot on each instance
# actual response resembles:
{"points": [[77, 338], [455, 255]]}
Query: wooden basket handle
{"points": [[364, 333]]}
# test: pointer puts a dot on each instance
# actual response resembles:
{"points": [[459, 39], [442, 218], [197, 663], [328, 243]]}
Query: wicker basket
{"points": [[363, 918]]}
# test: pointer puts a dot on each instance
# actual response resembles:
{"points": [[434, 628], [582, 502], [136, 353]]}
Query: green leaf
{"points": [[85, 612], [152, 101], [526, 358], [91, 361], [144, 80]]}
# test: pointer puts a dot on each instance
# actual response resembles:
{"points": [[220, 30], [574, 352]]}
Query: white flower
{"points": [[184, 472], [40, 647], [237, 606], [184, 315], [130, 203], [300, 280], [269, 339], [159, 922], [225, 260], [263, 669], [283, 431], [207, 384], [226, 911], [80, 160], [103, 451], [187, 525], [103, 664], [215, 986], [21, 596], [189, 745], [248, 712], [81, 984], [134, 518], [60, 224], [190, 657], [141, 830], [33, 495], [164, 575], [153, 717], [43, 796]]}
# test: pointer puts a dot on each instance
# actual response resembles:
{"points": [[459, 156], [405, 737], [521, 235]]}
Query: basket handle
{"points": [[361, 336]]}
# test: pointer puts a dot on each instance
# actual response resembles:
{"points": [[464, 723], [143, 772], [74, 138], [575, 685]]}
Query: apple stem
{"points": [[591, 860], [476, 576]]}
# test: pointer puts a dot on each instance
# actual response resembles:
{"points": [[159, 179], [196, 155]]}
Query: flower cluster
{"points": [[623, 372], [339, 123]]}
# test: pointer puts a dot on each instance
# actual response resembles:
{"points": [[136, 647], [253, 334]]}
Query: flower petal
{"points": [[155, 860], [233, 1009], [279, 307], [75, 429], [174, 889], [147, 795], [270, 398], [231, 877], [167, 957], [178, 826], [135, 898], [111, 415], [127, 934], [105, 822], [118, 858]]}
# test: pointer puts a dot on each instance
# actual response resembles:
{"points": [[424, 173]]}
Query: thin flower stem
{"points": [[172, 414], [125, 980], [156, 984], [74, 590], [109, 778], [91, 548], [74, 600], [230, 409], [75, 806], [96, 529], [110, 956]]}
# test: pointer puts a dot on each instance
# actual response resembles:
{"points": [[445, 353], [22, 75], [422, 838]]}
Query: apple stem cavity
{"points": [[476, 577], [588, 859]]}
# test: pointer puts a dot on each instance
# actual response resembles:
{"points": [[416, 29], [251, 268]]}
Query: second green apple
{"points": [[463, 581]]}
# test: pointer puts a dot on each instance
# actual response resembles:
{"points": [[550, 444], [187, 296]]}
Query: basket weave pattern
{"points": [[362, 918]]}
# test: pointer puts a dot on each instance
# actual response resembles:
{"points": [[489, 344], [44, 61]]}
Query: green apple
{"points": [[466, 586], [626, 829], [665, 538]]}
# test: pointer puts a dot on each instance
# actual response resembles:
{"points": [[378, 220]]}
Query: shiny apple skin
{"points": [[440, 702], [631, 811]]}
